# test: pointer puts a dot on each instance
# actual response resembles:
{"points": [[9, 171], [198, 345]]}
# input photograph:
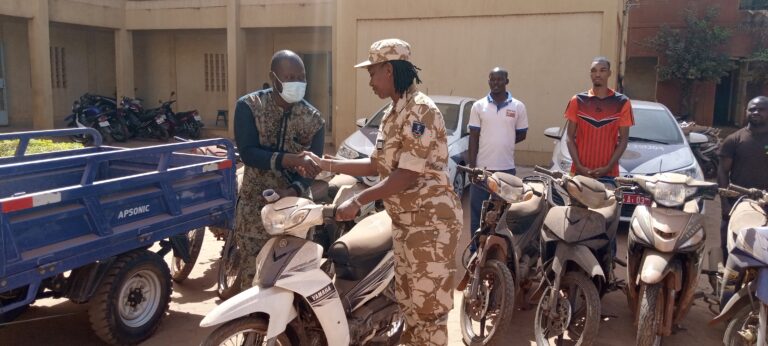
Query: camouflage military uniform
{"points": [[426, 218], [281, 132]]}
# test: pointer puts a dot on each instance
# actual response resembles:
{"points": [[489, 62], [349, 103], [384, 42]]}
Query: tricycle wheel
{"points": [[229, 269], [131, 299], [179, 269]]}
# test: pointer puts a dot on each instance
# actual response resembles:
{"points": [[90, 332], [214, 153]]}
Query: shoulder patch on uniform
{"points": [[417, 128]]}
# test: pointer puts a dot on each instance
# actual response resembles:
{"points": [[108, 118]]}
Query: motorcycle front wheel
{"points": [[577, 312], [229, 269], [247, 330], [180, 270], [486, 316], [742, 330], [650, 315]]}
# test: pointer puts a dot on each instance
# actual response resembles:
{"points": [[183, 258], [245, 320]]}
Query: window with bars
{"points": [[215, 72], [753, 4], [58, 68]]}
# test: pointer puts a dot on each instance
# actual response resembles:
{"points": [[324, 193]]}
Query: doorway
{"points": [[318, 69], [724, 93], [3, 96]]}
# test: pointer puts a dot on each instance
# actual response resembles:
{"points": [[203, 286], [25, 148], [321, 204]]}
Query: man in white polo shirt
{"points": [[496, 123]]}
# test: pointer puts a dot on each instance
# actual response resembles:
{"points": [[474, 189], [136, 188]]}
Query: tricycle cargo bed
{"points": [[61, 212]]}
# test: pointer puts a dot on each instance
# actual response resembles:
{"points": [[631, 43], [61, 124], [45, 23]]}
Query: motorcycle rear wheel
{"points": [[248, 330], [650, 315], [495, 300], [229, 269], [180, 270], [746, 319], [585, 315]]}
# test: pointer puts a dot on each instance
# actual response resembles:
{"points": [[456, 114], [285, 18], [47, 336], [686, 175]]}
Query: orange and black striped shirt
{"points": [[597, 126]]}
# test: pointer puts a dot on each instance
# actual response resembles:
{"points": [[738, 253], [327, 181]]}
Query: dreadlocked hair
{"points": [[404, 73]]}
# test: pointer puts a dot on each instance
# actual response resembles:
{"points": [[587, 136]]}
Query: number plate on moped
{"points": [[103, 123], [636, 199], [198, 118]]}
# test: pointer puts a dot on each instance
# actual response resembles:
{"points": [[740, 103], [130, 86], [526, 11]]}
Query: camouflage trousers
{"points": [[424, 271], [250, 237]]}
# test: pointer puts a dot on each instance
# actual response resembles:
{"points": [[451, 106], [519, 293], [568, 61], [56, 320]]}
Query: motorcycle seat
{"points": [[356, 253], [746, 214], [754, 242], [521, 215]]}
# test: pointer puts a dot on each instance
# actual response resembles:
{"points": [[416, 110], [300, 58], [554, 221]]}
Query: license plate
{"points": [[160, 119], [636, 199], [103, 123], [198, 118]]}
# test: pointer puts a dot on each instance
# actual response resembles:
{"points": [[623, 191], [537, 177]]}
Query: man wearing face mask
{"points": [[273, 127]]}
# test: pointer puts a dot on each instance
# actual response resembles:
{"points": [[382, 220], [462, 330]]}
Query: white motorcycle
{"points": [[301, 298]]}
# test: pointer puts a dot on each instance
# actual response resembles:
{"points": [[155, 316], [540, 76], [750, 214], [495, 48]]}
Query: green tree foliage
{"points": [[36, 146], [692, 53]]}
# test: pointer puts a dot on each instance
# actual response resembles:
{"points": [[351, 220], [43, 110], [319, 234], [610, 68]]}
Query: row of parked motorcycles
{"points": [[129, 119], [321, 281]]}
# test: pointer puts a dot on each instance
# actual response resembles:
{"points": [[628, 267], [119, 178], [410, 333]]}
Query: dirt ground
{"points": [[60, 322]]}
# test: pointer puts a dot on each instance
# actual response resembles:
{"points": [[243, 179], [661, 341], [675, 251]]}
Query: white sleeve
{"points": [[474, 116], [522, 117]]}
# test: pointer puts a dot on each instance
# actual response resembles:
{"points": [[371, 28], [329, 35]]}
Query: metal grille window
{"points": [[58, 68], [753, 4], [215, 66]]}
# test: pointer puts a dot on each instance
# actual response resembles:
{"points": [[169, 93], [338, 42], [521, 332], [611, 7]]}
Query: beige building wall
{"points": [[18, 87], [546, 46], [88, 66], [174, 61]]}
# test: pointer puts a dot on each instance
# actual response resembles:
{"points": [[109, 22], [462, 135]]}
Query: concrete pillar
{"points": [[235, 61], [40, 67], [124, 63]]}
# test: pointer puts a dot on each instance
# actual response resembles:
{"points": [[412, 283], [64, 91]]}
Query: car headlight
{"points": [[347, 152], [692, 171], [668, 194]]}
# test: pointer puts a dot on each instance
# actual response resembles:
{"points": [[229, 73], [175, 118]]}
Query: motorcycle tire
{"points": [[745, 318], [194, 131], [591, 316], [248, 330], [179, 269], [119, 132], [131, 299], [650, 315], [161, 133], [106, 134], [229, 269], [497, 287]]}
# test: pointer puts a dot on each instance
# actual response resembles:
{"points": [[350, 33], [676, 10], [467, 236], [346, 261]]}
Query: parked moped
{"points": [[506, 256], [577, 260], [664, 250], [743, 290], [301, 298]]}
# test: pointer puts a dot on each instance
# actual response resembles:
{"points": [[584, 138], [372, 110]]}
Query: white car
{"points": [[455, 110], [656, 145]]}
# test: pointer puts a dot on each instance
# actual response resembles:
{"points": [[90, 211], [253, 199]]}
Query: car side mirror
{"points": [[697, 138], [361, 122], [553, 132]]}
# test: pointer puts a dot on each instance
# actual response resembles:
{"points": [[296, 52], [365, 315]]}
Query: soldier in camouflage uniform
{"points": [[411, 157], [273, 128]]}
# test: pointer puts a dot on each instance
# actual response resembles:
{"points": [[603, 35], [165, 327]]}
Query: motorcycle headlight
{"points": [[347, 152], [565, 164], [670, 195]]}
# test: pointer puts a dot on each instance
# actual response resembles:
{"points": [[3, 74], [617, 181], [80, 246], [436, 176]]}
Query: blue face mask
{"points": [[292, 91]]}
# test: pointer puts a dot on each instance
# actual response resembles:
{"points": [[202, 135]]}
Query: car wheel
{"points": [[459, 184]]}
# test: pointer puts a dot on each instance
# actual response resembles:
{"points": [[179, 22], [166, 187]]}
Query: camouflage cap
{"points": [[387, 50]]}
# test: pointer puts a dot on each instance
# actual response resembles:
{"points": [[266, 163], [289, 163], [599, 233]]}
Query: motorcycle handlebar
{"points": [[626, 181], [549, 173], [329, 211]]}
